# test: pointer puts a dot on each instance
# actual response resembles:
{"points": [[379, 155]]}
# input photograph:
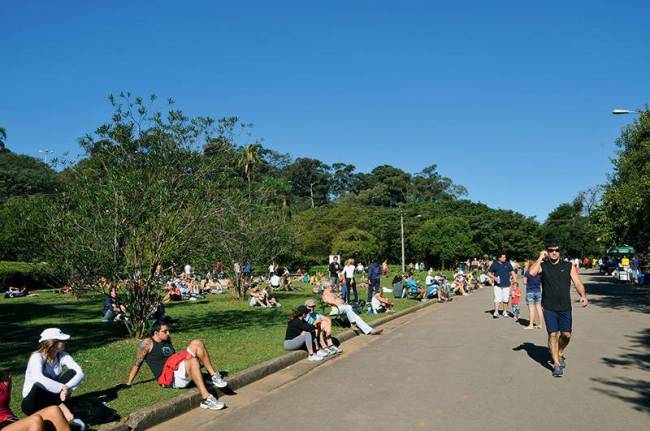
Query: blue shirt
{"points": [[412, 285], [312, 317], [502, 270], [533, 283]]}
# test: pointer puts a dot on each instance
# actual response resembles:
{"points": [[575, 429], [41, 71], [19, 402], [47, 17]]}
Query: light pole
{"points": [[625, 111], [46, 152]]}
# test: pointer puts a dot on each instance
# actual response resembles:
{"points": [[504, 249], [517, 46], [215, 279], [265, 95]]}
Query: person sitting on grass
{"points": [[45, 419], [414, 290], [433, 288], [323, 326], [263, 298], [459, 284], [46, 384], [275, 281], [331, 299], [113, 310], [177, 369], [300, 334], [380, 304]]}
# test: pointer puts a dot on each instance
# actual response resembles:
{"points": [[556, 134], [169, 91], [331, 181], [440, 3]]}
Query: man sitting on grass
{"points": [[414, 290], [330, 298], [177, 369]]}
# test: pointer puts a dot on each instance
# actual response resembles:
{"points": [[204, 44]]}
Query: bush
{"points": [[29, 275]]}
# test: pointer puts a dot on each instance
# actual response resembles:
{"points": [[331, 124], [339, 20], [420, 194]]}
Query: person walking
{"points": [[501, 272], [334, 270], [533, 286], [556, 301], [350, 287]]}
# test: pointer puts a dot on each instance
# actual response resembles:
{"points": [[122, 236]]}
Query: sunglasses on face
{"points": [[553, 250]]}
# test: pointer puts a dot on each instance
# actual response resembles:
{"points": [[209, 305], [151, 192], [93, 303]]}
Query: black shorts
{"points": [[558, 321]]}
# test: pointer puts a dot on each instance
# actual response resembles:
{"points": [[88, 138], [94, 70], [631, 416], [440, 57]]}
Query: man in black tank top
{"points": [[184, 367], [557, 276]]}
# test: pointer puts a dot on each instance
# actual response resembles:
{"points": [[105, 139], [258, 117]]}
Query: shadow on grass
{"points": [[537, 353], [20, 334], [607, 293], [637, 356]]}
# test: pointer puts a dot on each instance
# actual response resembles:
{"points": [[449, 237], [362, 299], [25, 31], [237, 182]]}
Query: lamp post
{"points": [[45, 151], [625, 111]]}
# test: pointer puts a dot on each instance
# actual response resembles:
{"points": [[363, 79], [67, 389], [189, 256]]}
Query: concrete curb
{"points": [[190, 399]]}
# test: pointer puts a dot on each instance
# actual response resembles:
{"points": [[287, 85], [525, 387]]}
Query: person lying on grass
{"points": [[323, 325], [48, 418], [177, 369]]}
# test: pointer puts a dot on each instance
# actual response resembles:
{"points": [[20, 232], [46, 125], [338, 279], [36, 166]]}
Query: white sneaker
{"points": [[505, 314], [323, 353], [334, 350], [315, 358], [77, 424], [212, 403], [218, 381]]}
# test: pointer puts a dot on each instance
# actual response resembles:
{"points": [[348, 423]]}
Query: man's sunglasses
{"points": [[551, 250]]}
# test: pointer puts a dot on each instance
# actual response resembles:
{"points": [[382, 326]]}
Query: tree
{"points": [[3, 139], [344, 180], [624, 215], [310, 181], [154, 190], [429, 185], [250, 158], [567, 226], [444, 240], [357, 244], [23, 228], [22, 175]]}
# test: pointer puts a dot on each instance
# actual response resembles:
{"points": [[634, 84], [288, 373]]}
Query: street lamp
{"points": [[625, 111], [401, 223], [45, 151]]}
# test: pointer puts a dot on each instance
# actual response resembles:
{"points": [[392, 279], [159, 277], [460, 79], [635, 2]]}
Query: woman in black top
{"points": [[300, 334]]}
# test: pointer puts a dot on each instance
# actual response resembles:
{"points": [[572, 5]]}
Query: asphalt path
{"points": [[451, 366]]}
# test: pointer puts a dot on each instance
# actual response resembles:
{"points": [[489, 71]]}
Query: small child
{"points": [[516, 294]]}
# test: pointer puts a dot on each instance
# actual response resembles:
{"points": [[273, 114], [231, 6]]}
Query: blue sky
{"points": [[511, 99]]}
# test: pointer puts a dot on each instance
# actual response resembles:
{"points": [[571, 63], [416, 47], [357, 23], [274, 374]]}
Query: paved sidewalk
{"points": [[451, 366]]}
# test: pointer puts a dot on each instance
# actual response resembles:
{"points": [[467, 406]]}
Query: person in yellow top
{"points": [[625, 261]]}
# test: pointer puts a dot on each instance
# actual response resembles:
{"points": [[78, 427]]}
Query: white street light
{"points": [[625, 111], [46, 152]]}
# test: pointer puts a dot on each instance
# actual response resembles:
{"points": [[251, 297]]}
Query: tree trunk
{"points": [[311, 193]]}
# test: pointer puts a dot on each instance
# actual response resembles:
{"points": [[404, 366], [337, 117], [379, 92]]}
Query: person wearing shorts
{"points": [[557, 276], [177, 369], [533, 286], [501, 272]]}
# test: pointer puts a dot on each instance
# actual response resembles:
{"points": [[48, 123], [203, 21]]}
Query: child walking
{"points": [[516, 294]]}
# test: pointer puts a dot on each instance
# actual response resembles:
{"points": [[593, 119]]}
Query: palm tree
{"points": [[250, 158]]}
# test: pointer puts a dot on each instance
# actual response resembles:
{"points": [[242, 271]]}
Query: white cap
{"points": [[53, 334]]}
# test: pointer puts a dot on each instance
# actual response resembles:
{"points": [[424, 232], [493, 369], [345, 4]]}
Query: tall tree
{"points": [[310, 181], [22, 175], [3, 139]]}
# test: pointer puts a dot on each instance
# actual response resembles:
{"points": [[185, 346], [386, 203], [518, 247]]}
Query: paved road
{"points": [[451, 366]]}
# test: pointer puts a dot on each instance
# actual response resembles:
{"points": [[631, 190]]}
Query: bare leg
{"points": [[201, 353], [326, 329], [531, 315], [496, 307], [30, 423], [66, 412], [565, 337], [54, 416], [553, 347], [540, 313], [193, 370]]}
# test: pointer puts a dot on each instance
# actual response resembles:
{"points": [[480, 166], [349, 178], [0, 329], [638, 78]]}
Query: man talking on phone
{"points": [[556, 300]]}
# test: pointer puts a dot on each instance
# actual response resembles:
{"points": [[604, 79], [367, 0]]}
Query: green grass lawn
{"points": [[236, 335]]}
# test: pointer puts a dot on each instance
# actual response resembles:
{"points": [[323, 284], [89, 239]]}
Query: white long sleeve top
{"points": [[46, 373]]}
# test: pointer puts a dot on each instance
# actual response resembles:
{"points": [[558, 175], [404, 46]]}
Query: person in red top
{"points": [[41, 420], [516, 295]]}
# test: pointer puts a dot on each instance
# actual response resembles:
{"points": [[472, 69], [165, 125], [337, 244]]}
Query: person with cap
{"points": [[300, 334], [45, 382], [331, 299], [177, 369], [557, 276], [323, 325]]}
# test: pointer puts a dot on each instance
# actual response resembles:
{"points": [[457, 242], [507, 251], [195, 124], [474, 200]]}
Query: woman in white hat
{"points": [[45, 382]]}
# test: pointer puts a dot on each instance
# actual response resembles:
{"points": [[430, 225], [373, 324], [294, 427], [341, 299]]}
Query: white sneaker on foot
{"points": [[218, 381], [314, 358], [323, 353], [212, 403]]}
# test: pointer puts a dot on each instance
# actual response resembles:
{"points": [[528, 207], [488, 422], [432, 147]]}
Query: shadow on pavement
{"points": [[636, 356], [537, 353], [604, 292]]}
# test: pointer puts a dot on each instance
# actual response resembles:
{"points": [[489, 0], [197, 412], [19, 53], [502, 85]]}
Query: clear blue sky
{"points": [[511, 99]]}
